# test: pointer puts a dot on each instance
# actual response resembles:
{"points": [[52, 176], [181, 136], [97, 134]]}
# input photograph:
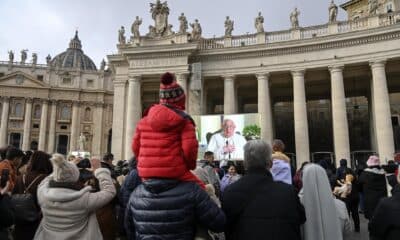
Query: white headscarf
{"points": [[322, 218]]}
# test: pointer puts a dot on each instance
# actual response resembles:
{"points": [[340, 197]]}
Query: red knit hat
{"points": [[170, 91]]}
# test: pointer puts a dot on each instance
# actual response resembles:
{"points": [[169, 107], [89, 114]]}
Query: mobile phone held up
{"points": [[4, 177]]}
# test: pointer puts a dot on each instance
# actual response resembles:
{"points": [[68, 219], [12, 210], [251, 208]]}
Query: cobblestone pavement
{"points": [[363, 234]]}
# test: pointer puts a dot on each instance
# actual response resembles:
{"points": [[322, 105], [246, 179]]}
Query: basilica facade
{"points": [[50, 107], [333, 87]]}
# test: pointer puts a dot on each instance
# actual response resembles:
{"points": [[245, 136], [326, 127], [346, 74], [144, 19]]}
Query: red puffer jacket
{"points": [[165, 144]]}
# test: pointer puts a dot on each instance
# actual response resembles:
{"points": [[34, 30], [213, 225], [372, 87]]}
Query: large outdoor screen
{"points": [[207, 125]]}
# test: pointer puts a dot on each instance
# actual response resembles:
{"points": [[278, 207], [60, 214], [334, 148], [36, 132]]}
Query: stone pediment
{"points": [[22, 79]]}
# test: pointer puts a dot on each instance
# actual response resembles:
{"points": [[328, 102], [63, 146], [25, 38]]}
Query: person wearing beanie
{"points": [[68, 209], [373, 184], [165, 142], [385, 222]]}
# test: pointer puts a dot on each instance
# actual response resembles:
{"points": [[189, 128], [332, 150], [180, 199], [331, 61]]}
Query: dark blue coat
{"points": [[169, 209]]}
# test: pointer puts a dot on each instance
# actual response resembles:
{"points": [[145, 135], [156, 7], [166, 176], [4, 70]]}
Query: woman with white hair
{"points": [[68, 209], [385, 223], [327, 217]]}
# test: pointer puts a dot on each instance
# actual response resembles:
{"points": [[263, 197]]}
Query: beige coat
{"points": [[70, 214]]}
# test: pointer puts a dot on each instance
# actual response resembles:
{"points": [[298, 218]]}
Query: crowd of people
{"points": [[164, 192]]}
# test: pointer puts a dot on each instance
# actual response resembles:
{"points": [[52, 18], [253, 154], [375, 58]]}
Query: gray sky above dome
{"points": [[47, 26]]}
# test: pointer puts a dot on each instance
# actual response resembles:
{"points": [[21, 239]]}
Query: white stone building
{"points": [[47, 107], [332, 87]]}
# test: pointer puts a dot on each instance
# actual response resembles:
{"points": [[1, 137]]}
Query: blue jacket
{"points": [[169, 209], [281, 171]]}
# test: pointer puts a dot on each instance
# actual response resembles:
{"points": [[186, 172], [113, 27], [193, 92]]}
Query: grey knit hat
{"points": [[64, 171]]}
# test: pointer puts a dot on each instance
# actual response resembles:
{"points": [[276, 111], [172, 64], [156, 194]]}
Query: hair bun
{"points": [[167, 78], [58, 159]]}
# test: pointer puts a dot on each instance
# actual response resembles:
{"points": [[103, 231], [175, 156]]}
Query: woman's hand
{"points": [[95, 163]]}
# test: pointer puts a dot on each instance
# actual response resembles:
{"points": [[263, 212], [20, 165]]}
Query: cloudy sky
{"points": [[46, 26]]}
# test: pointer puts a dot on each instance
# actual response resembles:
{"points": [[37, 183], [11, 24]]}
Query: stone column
{"points": [[27, 125], [382, 114], [183, 82], [229, 94], [134, 112], [300, 118], [52, 128], [4, 121], [98, 129], [74, 126], [339, 115], [43, 126], [118, 123], [265, 107]]}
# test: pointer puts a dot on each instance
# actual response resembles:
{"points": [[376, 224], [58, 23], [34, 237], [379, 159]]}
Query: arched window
{"points": [[88, 114], [65, 113], [36, 112], [18, 110]]}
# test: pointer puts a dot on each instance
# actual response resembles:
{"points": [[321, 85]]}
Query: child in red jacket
{"points": [[165, 142]]}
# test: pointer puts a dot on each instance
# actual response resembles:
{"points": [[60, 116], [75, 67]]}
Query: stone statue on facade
{"points": [[333, 10], [152, 32], [169, 30], [373, 6], [48, 59], [121, 35], [10, 56], [197, 31], [24, 56], [259, 23], [82, 142], [294, 18], [159, 13], [103, 65], [135, 27], [183, 23], [228, 27], [34, 58]]}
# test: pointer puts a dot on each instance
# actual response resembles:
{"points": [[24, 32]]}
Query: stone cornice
{"points": [[295, 47]]}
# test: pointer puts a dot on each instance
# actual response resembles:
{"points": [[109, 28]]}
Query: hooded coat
{"points": [[165, 144], [69, 213], [169, 209], [323, 217], [373, 184]]}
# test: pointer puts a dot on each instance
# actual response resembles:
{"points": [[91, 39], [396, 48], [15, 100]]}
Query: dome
{"points": [[73, 57]]}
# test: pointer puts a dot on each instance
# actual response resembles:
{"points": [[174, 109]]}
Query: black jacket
{"points": [[6, 216], [373, 183], [170, 210], [274, 212], [385, 223]]}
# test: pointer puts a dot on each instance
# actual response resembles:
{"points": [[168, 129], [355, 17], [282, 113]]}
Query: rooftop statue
{"points": [[333, 10], [228, 27], [34, 58], [196, 32], [259, 23], [24, 56], [159, 13], [294, 18], [121, 35], [103, 65], [135, 27], [48, 59], [11, 56], [373, 6], [183, 23]]}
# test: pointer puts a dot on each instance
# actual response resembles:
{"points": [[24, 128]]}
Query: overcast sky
{"points": [[46, 26]]}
